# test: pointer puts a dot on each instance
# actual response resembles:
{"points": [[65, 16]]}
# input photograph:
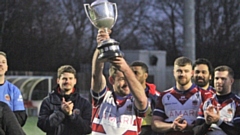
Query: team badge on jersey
{"points": [[230, 111], [7, 97], [195, 102], [229, 115], [129, 109]]}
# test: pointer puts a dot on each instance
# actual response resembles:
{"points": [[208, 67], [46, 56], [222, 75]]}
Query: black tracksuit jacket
{"points": [[54, 122], [9, 124]]}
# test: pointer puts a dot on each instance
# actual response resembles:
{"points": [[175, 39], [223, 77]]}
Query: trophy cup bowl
{"points": [[103, 14]]}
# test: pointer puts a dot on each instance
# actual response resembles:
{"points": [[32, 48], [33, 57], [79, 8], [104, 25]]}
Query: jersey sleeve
{"points": [[140, 113], [17, 100], [97, 98], [159, 110], [206, 95], [236, 118]]}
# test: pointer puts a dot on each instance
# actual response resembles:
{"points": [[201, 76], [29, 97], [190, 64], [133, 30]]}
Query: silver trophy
{"points": [[103, 14]]}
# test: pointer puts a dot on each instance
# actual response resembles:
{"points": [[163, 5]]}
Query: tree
{"points": [[46, 34], [217, 31]]}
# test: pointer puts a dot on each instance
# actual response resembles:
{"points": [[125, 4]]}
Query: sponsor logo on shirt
{"points": [[125, 120], [170, 103], [129, 108], [20, 98], [168, 97], [175, 113]]}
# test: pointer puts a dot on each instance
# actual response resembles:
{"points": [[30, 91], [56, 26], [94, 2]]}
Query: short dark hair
{"points": [[225, 68], [205, 62], [66, 68], [3, 54], [182, 61], [141, 64]]}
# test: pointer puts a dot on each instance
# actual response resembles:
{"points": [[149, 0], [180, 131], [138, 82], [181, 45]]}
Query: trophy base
{"points": [[110, 55], [109, 49]]}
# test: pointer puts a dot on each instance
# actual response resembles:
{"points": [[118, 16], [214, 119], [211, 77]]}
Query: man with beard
{"points": [[141, 71], [177, 107], [64, 111], [120, 111], [203, 74], [220, 114]]}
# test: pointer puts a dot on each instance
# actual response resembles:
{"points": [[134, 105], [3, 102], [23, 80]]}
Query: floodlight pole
{"points": [[189, 29]]}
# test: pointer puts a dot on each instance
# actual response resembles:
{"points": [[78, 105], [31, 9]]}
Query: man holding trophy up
{"points": [[116, 111]]}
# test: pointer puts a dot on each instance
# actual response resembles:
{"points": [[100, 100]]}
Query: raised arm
{"points": [[98, 79]]}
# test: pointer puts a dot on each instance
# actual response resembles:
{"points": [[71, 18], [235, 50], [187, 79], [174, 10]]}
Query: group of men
{"points": [[196, 108], [119, 111], [133, 106]]}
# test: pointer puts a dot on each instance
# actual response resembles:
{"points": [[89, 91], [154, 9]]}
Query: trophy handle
{"points": [[87, 8], [116, 13]]}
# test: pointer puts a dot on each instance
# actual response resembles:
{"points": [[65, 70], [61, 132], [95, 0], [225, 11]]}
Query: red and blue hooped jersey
{"points": [[113, 115]]}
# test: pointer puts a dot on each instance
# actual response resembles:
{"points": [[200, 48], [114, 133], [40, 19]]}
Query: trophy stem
{"points": [[107, 30]]}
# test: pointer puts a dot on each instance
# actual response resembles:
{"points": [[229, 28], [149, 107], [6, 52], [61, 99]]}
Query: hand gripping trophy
{"points": [[103, 14]]}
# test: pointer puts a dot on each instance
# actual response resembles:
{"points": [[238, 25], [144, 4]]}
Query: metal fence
{"points": [[83, 78]]}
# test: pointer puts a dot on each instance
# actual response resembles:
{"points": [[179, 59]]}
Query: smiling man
{"points": [[10, 94], [141, 71], [220, 114], [202, 74], [118, 111], [177, 107], [64, 111]]}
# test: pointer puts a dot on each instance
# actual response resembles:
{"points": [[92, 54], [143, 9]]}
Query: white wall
{"points": [[169, 77]]}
